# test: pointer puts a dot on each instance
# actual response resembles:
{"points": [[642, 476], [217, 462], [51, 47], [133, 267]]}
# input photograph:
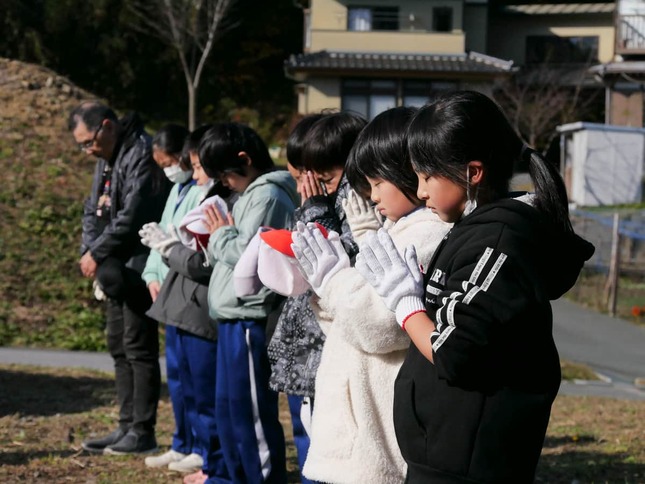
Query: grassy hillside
{"points": [[44, 301]]}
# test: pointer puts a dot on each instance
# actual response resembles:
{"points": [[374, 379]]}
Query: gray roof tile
{"points": [[471, 62]]}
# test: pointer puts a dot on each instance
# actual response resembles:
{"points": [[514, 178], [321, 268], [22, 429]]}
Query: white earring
{"points": [[471, 202]]}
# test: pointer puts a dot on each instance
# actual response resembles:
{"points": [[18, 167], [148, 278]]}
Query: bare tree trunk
{"points": [[192, 103], [191, 27]]}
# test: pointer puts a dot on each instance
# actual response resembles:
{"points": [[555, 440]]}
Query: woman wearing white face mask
{"points": [[167, 146]]}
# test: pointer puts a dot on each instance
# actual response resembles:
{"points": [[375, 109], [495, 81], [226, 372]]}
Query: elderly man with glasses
{"points": [[128, 190]]}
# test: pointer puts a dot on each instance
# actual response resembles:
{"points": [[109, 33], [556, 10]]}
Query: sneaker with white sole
{"points": [[190, 463], [164, 459]]}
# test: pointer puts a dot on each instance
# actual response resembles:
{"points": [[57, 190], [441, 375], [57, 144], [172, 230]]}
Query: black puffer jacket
{"points": [[138, 191], [296, 344]]}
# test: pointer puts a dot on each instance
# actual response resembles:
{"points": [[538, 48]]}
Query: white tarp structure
{"points": [[602, 164]]}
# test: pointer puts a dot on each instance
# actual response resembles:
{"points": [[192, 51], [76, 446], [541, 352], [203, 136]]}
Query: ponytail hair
{"points": [[464, 126], [550, 191]]}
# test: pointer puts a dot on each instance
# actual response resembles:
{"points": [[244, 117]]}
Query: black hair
{"points": [[221, 145], [218, 188], [463, 126], [329, 140], [295, 142], [92, 114], [170, 139], [191, 144], [380, 151]]}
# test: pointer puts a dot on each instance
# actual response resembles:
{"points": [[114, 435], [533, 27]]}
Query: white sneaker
{"points": [[164, 459], [190, 463]]}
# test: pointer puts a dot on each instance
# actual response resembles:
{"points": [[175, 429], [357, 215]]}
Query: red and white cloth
{"points": [[269, 261], [193, 232]]}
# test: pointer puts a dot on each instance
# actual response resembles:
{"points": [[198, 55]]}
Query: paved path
{"points": [[612, 347], [63, 358]]}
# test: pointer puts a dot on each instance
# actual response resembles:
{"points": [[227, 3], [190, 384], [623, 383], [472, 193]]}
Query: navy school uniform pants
{"points": [[246, 409], [183, 438], [197, 373]]}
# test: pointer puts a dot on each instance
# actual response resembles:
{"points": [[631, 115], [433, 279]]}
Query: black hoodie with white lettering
{"points": [[480, 412]]}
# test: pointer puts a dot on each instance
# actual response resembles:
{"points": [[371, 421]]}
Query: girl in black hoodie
{"points": [[473, 397]]}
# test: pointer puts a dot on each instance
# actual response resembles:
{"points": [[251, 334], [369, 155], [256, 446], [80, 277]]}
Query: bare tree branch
{"points": [[537, 99], [191, 28]]}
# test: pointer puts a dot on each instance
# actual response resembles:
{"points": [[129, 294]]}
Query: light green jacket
{"points": [[156, 269], [269, 201]]}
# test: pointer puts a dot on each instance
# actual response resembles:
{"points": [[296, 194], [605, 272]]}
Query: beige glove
{"points": [[361, 216]]}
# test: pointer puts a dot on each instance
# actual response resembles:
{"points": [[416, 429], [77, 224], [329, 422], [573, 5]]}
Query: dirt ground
{"points": [[46, 413]]}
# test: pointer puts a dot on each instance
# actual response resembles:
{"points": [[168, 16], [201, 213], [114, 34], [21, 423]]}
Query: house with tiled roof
{"points": [[370, 55]]}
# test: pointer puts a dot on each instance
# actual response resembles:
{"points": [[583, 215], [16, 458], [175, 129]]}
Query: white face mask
{"points": [[175, 174]]}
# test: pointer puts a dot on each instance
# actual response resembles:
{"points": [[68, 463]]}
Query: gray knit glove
{"points": [[398, 280]]}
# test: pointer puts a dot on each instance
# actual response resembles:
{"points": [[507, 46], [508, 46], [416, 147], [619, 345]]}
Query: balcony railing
{"points": [[630, 34], [363, 20]]}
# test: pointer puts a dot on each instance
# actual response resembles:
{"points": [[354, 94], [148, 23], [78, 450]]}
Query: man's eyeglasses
{"points": [[86, 145]]}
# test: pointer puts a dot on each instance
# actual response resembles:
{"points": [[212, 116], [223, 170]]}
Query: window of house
{"points": [[372, 18], [418, 93], [552, 49], [368, 97], [442, 19]]}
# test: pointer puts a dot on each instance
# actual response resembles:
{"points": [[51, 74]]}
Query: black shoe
{"points": [[97, 446], [132, 443]]}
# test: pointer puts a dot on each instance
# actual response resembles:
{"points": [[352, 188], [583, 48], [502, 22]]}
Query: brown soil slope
{"points": [[43, 180]]}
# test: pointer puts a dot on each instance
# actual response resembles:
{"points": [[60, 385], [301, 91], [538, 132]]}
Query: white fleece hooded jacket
{"points": [[352, 430]]}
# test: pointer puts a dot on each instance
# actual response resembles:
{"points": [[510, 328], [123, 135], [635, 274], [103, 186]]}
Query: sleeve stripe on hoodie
{"points": [[442, 336], [480, 265]]}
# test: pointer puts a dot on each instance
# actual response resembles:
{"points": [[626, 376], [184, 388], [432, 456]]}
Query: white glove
{"points": [[153, 236], [398, 280], [361, 215], [99, 295], [319, 258]]}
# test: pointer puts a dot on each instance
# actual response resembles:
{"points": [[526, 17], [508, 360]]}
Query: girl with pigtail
{"points": [[472, 399]]}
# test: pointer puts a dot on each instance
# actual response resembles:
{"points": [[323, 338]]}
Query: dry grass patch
{"points": [[46, 413]]}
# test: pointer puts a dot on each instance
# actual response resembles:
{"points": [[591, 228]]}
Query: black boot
{"points": [[133, 443], [97, 446]]}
